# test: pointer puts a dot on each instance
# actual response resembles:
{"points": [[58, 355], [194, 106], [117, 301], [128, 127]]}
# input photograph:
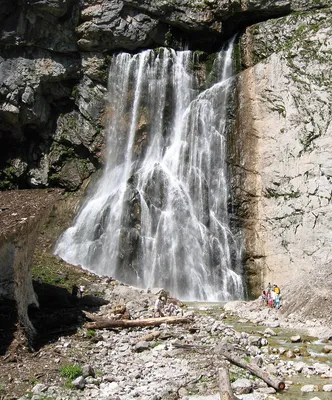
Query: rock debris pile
{"points": [[180, 361]]}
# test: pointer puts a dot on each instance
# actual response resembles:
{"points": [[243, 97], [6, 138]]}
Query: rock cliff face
{"points": [[54, 58], [283, 168], [21, 215]]}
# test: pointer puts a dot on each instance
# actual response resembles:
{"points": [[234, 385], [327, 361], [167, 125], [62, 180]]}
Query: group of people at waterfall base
{"points": [[161, 310], [271, 296]]}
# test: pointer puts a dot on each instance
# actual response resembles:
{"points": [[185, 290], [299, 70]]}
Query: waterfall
{"points": [[158, 215]]}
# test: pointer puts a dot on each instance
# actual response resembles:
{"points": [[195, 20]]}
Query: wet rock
{"points": [[254, 340], [299, 366], [75, 130], [309, 388], [321, 368], [281, 350], [270, 332], [254, 396], [266, 390], [295, 339], [290, 354], [73, 173], [273, 324], [327, 375], [327, 388], [327, 348]]}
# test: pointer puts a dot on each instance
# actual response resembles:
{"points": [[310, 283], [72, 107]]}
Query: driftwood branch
{"points": [[105, 323], [92, 317], [225, 388]]}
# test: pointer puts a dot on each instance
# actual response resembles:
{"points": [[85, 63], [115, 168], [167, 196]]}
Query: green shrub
{"points": [[90, 333], [71, 371]]}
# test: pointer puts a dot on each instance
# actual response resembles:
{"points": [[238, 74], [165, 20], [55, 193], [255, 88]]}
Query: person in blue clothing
{"points": [[277, 301]]}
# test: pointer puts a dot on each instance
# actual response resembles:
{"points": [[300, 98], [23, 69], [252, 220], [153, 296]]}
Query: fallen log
{"points": [[225, 388], [273, 381], [104, 323], [228, 352], [93, 317]]}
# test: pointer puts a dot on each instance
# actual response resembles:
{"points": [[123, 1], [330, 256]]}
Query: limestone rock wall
{"points": [[51, 130], [282, 163], [54, 57]]}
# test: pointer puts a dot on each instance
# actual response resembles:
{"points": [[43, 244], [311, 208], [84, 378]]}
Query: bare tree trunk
{"points": [[104, 323], [225, 388], [228, 352], [271, 380]]}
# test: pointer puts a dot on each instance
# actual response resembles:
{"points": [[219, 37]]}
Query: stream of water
{"points": [[158, 216], [313, 351]]}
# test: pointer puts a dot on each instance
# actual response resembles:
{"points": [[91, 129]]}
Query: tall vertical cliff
{"points": [[282, 171], [54, 58]]}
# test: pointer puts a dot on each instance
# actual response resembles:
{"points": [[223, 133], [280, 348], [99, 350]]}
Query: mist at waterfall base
{"points": [[158, 215]]}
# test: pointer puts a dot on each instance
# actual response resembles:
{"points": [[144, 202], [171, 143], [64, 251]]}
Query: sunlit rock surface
{"points": [[284, 182], [54, 59]]}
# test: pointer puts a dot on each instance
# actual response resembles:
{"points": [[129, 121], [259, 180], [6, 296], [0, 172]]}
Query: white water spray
{"points": [[158, 216]]}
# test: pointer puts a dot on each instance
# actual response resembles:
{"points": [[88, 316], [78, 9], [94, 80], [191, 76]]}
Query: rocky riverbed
{"points": [[181, 362]]}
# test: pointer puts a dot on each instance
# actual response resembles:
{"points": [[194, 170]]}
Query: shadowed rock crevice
{"points": [[59, 312]]}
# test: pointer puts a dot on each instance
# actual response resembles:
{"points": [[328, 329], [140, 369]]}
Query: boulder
{"points": [[295, 339], [79, 383], [142, 346], [327, 348], [87, 370], [242, 386], [309, 388]]}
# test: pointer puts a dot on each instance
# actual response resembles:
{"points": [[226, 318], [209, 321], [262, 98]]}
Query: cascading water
{"points": [[158, 216]]}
